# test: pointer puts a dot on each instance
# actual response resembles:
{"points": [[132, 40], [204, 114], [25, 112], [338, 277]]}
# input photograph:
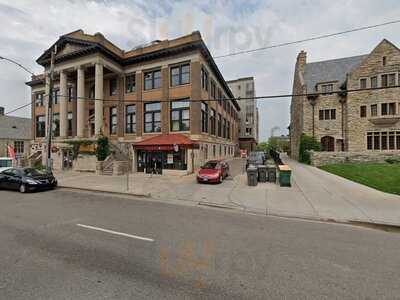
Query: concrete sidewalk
{"points": [[315, 194]]}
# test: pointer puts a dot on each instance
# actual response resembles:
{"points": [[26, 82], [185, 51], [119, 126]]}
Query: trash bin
{"points": [[252, 175], [262, 173], [284, 175], [271, 172]]}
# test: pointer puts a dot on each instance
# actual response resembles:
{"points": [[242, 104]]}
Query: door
{"points": [[154, 162], [328, 143]]}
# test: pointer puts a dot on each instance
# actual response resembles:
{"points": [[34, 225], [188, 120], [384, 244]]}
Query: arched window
{"points": [[328, 143]]}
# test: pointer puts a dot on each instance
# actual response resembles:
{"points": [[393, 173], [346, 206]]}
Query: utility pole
{"points": [[49, 164]]}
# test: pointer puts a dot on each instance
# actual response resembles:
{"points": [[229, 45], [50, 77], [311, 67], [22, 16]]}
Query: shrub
{"points": [[103, 148], [393, 160], [307, 143]]}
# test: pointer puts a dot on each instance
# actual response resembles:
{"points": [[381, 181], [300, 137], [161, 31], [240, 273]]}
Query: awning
{"points": [[165, 142]]}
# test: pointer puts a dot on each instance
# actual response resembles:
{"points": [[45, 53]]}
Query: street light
{"points": [[18, 64]]}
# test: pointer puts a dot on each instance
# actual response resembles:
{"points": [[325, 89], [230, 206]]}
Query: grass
{"points": [[381, 176]]}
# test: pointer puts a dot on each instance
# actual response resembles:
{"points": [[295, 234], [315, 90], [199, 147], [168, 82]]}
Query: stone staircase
{"points": [[117, 163]]}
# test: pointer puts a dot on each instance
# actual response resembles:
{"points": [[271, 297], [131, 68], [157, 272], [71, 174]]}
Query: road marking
{"points": [[116, 233]]}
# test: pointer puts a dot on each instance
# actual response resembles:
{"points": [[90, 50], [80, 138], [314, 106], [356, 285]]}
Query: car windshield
{"points": [[31, 172], [210, 165]]}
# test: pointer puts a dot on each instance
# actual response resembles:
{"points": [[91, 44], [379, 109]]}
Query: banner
{"points": [[11, 152]]}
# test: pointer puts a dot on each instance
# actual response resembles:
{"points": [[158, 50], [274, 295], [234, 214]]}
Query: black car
{"points": [[26, 179]]}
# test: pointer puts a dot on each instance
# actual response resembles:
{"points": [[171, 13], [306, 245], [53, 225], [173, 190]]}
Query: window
{"points": [[363, 83], [213, 89], [384, 80], [180, 74], [391, 79], [212, 120], [69, 124], [398, 140], [152, 80], [204, 79], [327, 88], [130, 118], [56, 125], [391, 140], [56, 93], [40, 126], [92, 92], [374, 110], [376, 141], [384, 61], [180, 120], [392, 108], [224, 129], [113, 86], [152, 117], [214, 150], [204, 117], [327, 114], [130, 83], [228, 132], [369, 141], [39, 99], [384, 109], [219, 96], [19, 147], [363, 111], [113, 120], [71, 95], [374, 82], [384, 141], [321, 114], [333, 114], [219, 125]]}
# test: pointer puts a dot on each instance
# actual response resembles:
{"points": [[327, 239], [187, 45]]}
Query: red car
{"points": [[213, 171]]}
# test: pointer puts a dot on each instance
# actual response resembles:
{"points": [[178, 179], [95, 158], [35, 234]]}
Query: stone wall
{"points": [[85, 163], [327, 158]]}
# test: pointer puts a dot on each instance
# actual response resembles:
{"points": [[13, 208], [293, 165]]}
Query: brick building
{"points": [[248, 126], [150, 101], [363, 121]]}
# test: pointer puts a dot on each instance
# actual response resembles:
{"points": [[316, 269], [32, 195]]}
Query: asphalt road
{"points": [[137, 249]]}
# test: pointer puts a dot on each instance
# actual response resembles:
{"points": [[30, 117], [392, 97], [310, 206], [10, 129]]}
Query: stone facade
{"points": [[353, 121], [328, 158]]}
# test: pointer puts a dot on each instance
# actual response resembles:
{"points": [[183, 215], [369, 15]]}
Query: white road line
{"points": [[116, 233]]}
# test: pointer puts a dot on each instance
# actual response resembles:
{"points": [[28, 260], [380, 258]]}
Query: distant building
{"points": [[248, 126], [16, 132], [363, 121]]}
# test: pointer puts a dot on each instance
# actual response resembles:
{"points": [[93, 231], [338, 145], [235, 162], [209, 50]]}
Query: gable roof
{"points": [[330, 70], [15, 128]]}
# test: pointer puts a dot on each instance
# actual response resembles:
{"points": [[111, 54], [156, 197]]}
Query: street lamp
{"points": [[18, 64]]}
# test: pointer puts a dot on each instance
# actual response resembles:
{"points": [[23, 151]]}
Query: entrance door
{"points": [[154, 162], [328, 143]]}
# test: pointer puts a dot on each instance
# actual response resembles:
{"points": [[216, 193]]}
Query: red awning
{"points": [[165, 142]]}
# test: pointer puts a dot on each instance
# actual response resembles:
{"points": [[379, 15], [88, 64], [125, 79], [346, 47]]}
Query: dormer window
{"points": [[327, 88]]}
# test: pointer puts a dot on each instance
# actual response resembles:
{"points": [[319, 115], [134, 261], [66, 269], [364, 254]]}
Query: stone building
{"points": [[165, 105], [248, 125], [355, 121], [16, 132]]}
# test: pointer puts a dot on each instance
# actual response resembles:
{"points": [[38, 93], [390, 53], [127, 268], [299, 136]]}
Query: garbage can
{"points": [[252, 175], [271, 172], [284, 175], [262, 173]]}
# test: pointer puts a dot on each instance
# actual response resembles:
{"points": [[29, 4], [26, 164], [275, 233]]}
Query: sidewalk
{"points": [[315, 194]]}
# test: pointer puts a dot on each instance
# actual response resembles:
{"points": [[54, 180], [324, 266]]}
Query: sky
{"points": [[28, 28]]}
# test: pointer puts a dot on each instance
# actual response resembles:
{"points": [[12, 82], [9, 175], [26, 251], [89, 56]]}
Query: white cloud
{"points": [[29, 27]]}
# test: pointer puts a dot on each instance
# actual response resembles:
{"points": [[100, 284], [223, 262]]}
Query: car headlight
{"points": [[31, 181]]}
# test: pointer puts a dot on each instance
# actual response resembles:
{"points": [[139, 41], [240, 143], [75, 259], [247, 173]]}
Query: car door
{"points": [[14, 179]]}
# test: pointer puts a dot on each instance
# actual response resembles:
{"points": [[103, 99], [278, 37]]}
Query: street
{"points": [[69, 245]]}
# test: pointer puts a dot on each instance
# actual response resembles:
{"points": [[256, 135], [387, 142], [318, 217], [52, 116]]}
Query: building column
{"points": [[63, 105], [98, 103], [80, 108]]}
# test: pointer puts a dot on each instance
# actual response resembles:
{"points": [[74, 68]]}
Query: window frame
{"points": [[152, 113], [130, 85], [181, 119], [113, 86], [113, 117], [179, 75], [204, 117], [129, 116], [40, 131], [153, 79]]}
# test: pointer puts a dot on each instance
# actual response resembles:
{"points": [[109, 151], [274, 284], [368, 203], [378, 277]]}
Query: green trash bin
{"points": [[285, 174]]}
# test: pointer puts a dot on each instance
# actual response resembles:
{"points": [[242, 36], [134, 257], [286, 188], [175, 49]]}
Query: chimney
{"points": [[301, 60], [1, 111]]}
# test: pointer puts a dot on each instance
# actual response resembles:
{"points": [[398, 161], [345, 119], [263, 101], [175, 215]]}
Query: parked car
{"points": [[26, 179], [213, 171], [255, 158], [5, 163]]}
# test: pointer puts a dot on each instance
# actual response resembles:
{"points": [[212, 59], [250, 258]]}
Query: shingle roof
{"points": [[15, 128], [330, 70]]}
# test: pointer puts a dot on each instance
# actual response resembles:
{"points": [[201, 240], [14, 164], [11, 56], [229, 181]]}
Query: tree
{"points": [[307, 143], [103, 148]]}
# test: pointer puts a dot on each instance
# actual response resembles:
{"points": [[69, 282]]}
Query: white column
{"points": [[80, 107], [63, 105], [98, 103]]}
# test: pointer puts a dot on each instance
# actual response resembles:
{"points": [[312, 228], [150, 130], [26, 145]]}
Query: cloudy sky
{"points": [[29, 27]]}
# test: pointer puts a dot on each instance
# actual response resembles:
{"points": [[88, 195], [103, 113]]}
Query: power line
{"points": [[265, 97], [308, 39], [18, 64]]}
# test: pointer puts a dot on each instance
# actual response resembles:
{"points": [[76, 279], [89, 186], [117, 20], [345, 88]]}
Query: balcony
{"points": [[384, 120]]}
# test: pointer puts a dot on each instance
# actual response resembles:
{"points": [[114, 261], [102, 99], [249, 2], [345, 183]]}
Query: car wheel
{"points": [[22, 188]]}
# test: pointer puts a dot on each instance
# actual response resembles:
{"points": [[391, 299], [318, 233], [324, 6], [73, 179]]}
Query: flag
{"points": [[11, 152]]}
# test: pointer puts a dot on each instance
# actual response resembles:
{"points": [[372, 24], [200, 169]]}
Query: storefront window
{"points": [[175, 160], [180, 117]]}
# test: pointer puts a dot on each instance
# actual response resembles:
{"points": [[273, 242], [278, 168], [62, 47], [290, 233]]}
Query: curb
{"points": [[148, 195]]}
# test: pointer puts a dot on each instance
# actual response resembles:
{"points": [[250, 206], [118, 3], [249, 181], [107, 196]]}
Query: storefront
{"points": [[164, 154]]}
